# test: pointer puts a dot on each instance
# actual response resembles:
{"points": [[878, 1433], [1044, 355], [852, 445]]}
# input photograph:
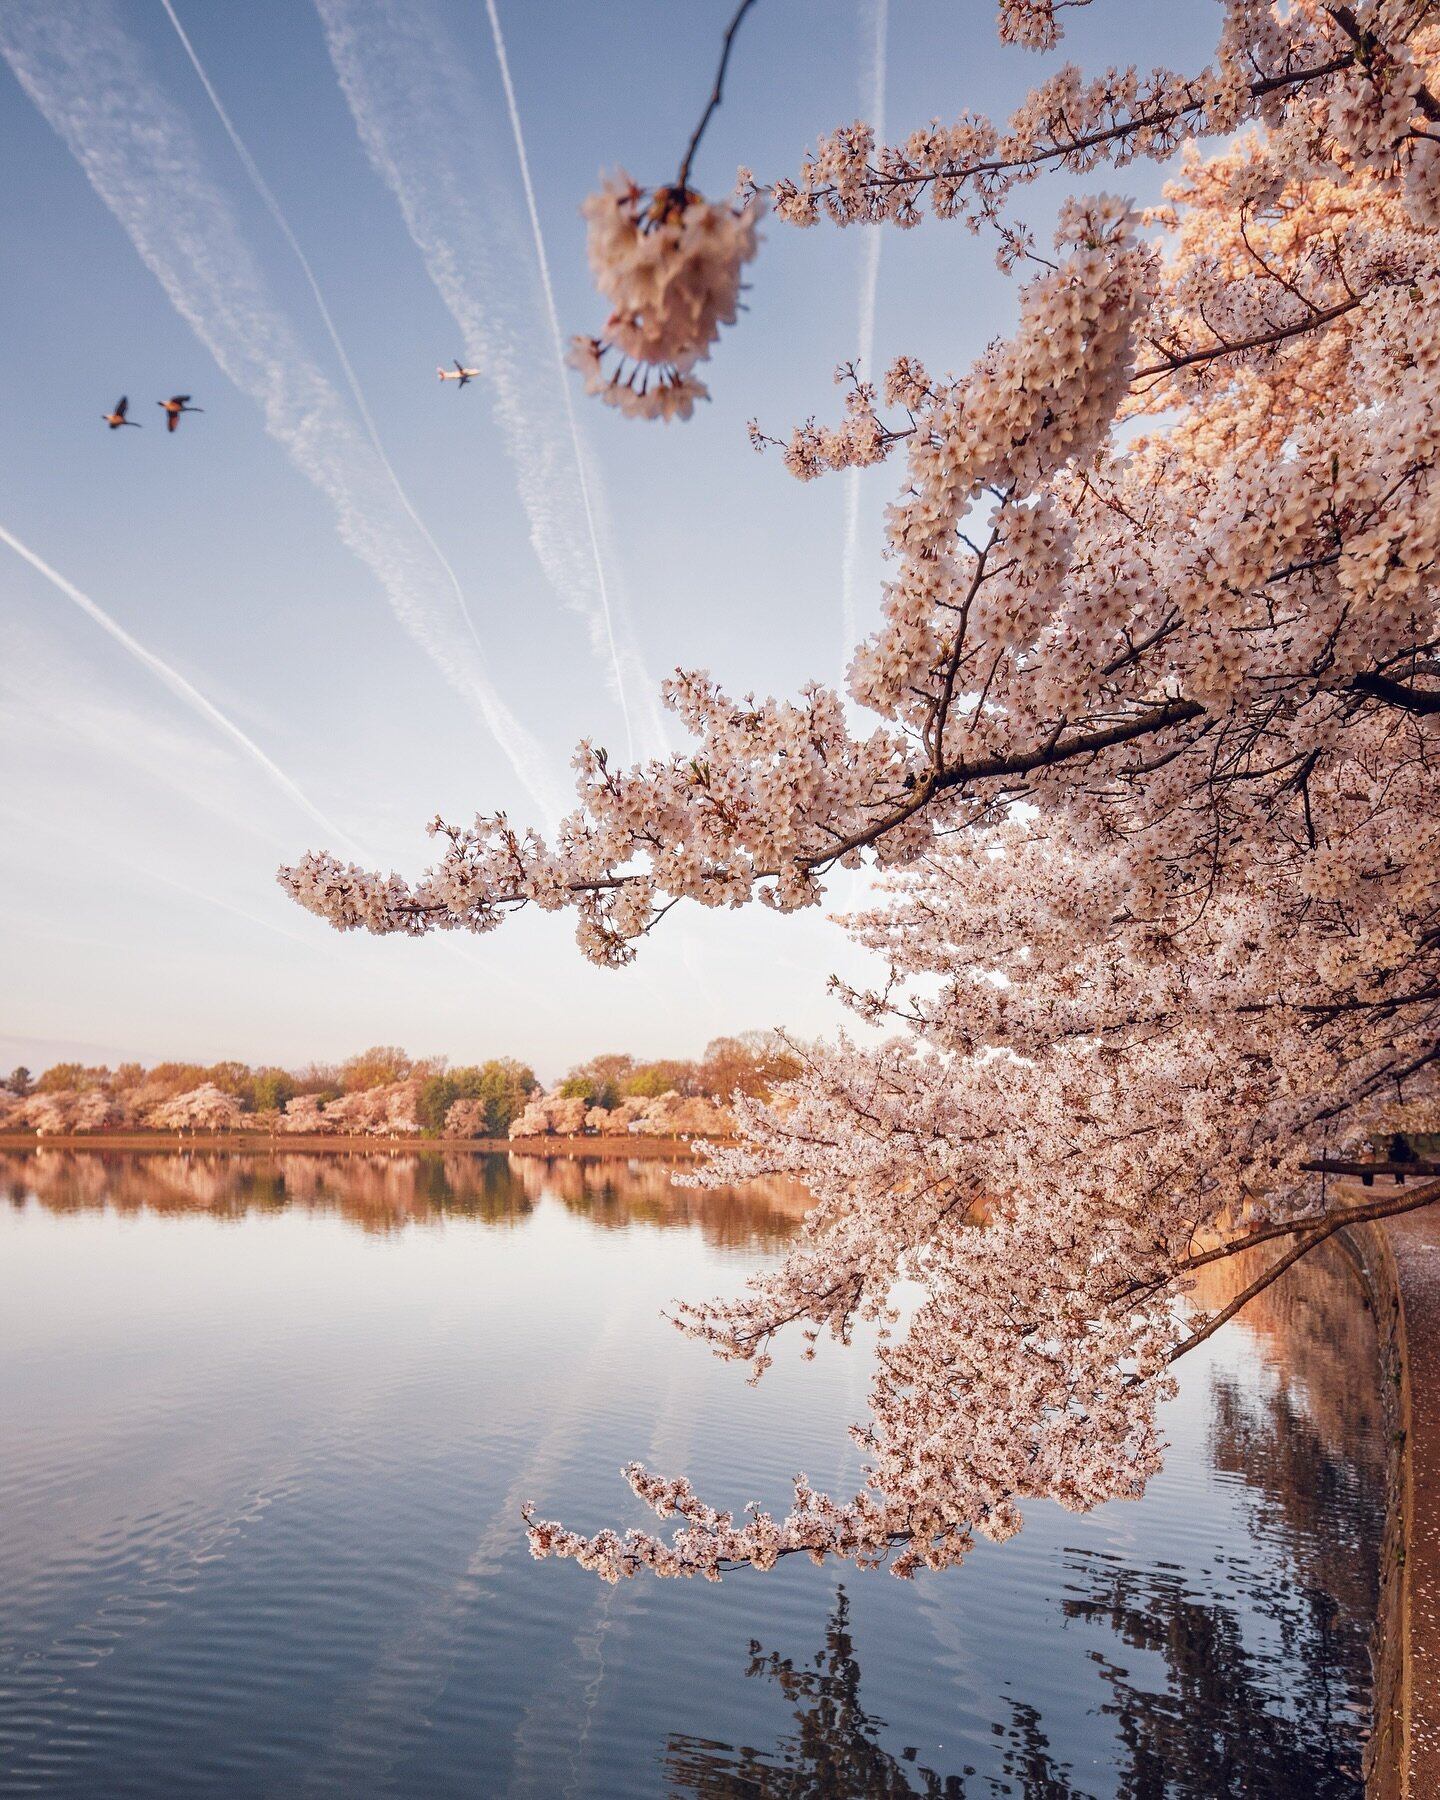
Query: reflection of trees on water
{"points": [[1317, 1338], [1228, 1724], [1234, 1721], [1325, 1505], [834, 1752], [762, 1214], [379, 1193], [386, 1192], [1306, 1437], [1248, 1681]]}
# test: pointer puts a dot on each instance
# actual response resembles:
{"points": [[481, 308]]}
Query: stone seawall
{"points": [[1400, 1259], [1414, 1246], [1369, 1247]]}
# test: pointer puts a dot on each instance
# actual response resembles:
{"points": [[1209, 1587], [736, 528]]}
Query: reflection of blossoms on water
{"points": [[1244, 1672], [389, 1191]]}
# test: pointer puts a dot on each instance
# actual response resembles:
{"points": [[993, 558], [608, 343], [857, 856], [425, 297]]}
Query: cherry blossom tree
{"points": [[205, 1108], [1154, 687]]}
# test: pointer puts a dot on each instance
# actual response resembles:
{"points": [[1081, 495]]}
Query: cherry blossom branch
{"points": [[1068, 152], [1026, 762], [1366, 44], [1261, 341], [1350, 1215], [1202, 652], [922, 792], [1425, 1197]]}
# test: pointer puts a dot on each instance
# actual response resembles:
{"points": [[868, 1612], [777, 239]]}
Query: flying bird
{"points": [[174, 406], [460, 374], [117, 418]]}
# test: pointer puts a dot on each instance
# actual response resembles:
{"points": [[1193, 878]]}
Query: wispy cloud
{"points": [[567, 389], [352, 381], [875, 15], [307, 941], [147, 874], [89, 80], [423, 121], [184, 691]]}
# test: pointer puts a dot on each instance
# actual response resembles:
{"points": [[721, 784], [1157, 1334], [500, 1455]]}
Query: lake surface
{"points": [[267, 1423]]}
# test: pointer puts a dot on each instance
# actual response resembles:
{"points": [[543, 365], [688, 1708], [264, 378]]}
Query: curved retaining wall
{"points": [[1401, 1261], [1414, 1245], [1369, 1246]]}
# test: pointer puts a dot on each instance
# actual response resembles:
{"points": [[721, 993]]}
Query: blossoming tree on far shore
{"points": [[1156, 697]]}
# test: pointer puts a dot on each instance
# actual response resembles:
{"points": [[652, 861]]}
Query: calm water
{"points": [[266, 1426]]}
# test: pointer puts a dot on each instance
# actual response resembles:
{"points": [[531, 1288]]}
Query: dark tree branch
{"points": [[1327, 1227], [682, 181], [1258, 1286], [1020, 762], [1336, 1221], [1395, 693], [1318, 316], [1326, 1165], [943, 778]]}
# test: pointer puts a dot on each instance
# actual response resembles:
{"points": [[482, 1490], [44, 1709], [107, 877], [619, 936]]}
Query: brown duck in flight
{"points": [[174, 406], [117, 418]]}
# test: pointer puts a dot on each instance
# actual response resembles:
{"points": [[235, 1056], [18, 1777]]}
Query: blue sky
{"points": [[375, 644]]}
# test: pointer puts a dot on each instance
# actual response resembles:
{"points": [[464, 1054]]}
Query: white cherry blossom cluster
{"points": [[1156, 679], [670, 264], [1031, 23]]}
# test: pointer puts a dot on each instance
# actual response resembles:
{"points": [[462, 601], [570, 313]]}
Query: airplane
{"points": [[461, 374], [177, 404], [117, 418]]}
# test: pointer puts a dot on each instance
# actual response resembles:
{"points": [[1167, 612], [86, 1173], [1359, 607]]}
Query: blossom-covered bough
{"points": [[1156, 682]]}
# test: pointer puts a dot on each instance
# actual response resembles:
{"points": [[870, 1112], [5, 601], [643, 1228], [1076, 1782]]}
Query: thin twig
{"points": [[683, 179]]}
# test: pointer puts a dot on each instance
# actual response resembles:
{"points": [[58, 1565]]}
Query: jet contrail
{"points": [[180, 687], [229, 906], [273, 207], [423, 122], [87, 78], [558, 340], [878, 11]]}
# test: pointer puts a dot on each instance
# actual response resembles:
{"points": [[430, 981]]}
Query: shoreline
{"points": [[1414, 1245], [261, 1142]]}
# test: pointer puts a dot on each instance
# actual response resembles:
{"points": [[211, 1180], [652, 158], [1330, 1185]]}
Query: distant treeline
{"points": [[751, 1063]]}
